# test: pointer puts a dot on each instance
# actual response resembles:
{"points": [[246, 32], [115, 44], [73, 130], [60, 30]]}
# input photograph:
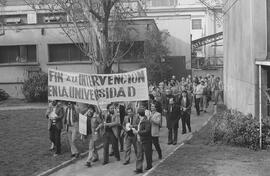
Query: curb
{"points": [[66, 163], [21, 108], [178, 147]]}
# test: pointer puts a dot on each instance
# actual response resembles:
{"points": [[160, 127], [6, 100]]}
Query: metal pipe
{"points": [[260, 103]]}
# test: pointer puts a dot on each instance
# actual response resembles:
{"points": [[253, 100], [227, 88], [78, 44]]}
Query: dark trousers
{"points": [[185, 122], [173, 133], [55, 137], [121, 139], [144, 149], [155, 141], [110, 138], [197, 105]]}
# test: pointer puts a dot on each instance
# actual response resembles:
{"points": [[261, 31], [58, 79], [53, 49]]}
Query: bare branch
{"points": [[91, 24]]}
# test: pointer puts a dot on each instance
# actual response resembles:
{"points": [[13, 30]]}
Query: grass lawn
{"points": [[24, 144], [201, 158]]}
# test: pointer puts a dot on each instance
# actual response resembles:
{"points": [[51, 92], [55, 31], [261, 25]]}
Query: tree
{"points": [[97, 27], [3, 2], [155, 53]]}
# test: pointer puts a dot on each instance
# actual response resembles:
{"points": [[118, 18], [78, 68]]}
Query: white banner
{"points": [[97, 89], [82, 124]]}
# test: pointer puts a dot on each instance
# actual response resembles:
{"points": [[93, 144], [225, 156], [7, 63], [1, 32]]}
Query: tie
{"points": [[71, 117], [130, 119], [138, 136], [68, 116]]}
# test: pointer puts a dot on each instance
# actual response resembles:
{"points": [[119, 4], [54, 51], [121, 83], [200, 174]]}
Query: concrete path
{"points": [[9, 108], [116, 168]]}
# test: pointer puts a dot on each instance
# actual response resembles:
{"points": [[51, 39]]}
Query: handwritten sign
{"points": [[97, 88]]}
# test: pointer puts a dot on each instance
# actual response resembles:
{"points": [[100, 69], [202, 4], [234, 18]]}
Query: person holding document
{"points": [[55, 114], [94, 123], [111, 124], [144, 142], [130, 121]]}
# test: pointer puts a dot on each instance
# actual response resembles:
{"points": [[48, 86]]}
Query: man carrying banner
{"points": [[71, 121], [130, 121], [94, 123], [144, 142], [111, 123]]}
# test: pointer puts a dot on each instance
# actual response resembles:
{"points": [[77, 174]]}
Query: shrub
{"points": [[3, 95], [35, 88], [235, 128]]}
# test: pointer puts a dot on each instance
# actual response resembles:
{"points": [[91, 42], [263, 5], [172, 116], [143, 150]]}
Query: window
{"points": [[65, 52], [43, 18], [18, 54], [131, 51], [197, 24], [14, 19], [161, 3]]}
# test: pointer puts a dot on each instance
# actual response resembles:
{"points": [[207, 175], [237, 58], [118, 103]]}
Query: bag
{"points": [[160, 123]]}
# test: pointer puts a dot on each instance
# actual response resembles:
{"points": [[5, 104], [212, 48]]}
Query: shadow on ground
{"points": [[200, 157]]}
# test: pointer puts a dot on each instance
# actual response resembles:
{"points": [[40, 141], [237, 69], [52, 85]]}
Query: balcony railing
{"points": [[207, 63]]}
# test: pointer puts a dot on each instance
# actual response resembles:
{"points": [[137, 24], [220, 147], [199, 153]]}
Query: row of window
{"points": [[56, 18], [40, 18], [62, 53]]}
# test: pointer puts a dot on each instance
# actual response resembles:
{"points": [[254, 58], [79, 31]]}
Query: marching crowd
{"points": [[131, 124]]}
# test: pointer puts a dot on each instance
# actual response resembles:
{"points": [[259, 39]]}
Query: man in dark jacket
{"points": [[144, 142], [130, 121], [122, 113], [111, 135], [185, 107], [173, 116], [55, 114]]}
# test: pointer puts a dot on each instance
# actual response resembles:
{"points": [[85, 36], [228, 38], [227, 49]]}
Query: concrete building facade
{"points": [[33, 41], [38, 43], [246, 43], [202, 23]]}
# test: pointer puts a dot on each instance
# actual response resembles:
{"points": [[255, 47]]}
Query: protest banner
{"points": [[82, 124], [97, 89]]}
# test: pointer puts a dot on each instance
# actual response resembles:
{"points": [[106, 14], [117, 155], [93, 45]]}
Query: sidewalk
{"points": [[115, 168], [20, 104]]}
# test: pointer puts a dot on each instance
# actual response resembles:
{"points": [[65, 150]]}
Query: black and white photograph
{"points": [[134, 88]]}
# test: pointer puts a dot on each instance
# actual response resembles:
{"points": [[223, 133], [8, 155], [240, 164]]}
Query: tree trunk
{"points": [[104, 69]]}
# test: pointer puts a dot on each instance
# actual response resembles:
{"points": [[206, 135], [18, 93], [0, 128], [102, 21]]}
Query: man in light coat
{"points": [[71, 121], [156, 122]]}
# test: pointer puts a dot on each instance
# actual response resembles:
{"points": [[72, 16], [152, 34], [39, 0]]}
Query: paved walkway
{"points": [[116, 168], [22, 107]]}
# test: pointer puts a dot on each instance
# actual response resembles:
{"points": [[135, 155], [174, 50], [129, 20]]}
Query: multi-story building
{"points": [[33, 41], [204, 21]]}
